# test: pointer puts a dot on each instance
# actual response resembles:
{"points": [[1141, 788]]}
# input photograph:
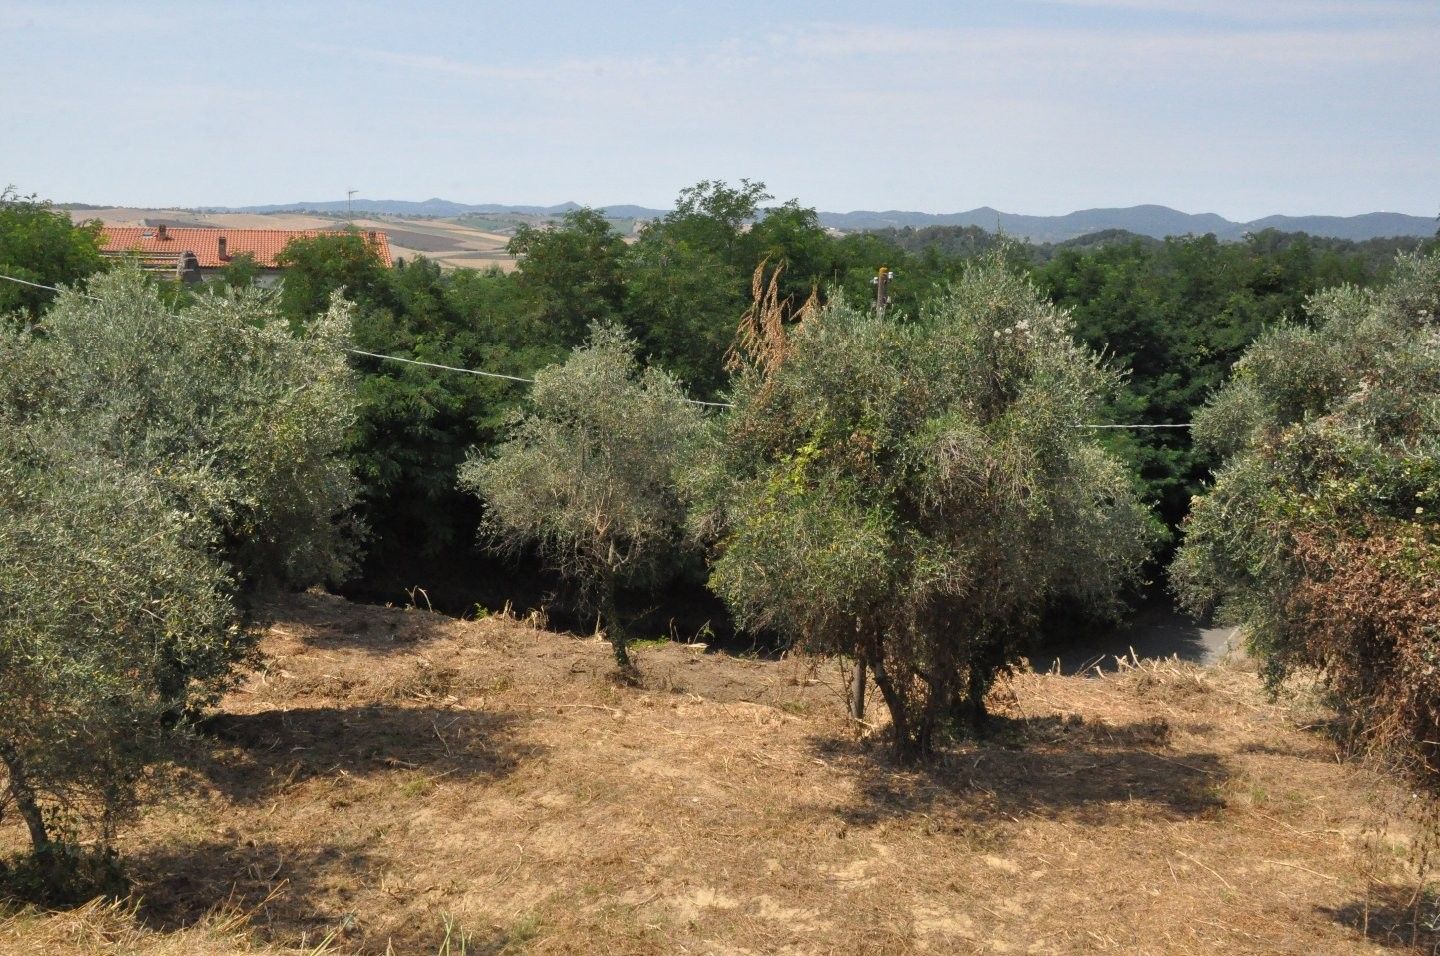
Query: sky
{"points": [[1239, 107]]}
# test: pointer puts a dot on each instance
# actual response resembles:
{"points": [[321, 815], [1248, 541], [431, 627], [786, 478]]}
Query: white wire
{"points": [[51, 288], [376, 355], [446, 368]]}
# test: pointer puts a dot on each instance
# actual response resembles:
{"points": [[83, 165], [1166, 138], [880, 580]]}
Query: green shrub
{"points": [[105, 595], [1320, 533], [154, 468], [239, 421]]}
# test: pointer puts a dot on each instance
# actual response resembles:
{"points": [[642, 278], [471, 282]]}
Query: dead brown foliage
{"points": [[394, 776], [762, 342], [1369, 615]]}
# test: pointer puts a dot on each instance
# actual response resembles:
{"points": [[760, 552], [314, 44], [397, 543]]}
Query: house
{"points": [[191, 254]]}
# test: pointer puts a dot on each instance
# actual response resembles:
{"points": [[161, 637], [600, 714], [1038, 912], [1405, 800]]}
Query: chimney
{"points": [[160, 232], [224, 254]]}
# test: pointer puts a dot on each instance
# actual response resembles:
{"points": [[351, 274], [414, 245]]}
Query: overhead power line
{"points": [[49, 288], [443, 368], [482, 372], [374, 355]]}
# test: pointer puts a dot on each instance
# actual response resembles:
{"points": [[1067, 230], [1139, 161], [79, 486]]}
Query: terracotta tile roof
{"points": [[263, 244]]}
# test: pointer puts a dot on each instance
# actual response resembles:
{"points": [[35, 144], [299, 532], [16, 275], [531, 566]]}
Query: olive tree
{"points": [[1320, 532], [156, 469], [102, 590], [911, 493], [585, 474], [239, 420]]}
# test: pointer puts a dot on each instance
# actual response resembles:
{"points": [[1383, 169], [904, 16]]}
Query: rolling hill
{"points": [[1147, 220]]}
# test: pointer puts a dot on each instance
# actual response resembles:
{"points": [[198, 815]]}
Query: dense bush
{"points": [[1320, 533], [240, 421], [105, 590], [912, 493], [39, 244], [1175, 315]]}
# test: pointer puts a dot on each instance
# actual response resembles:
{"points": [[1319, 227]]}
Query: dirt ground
{"points": [[395, 778]]}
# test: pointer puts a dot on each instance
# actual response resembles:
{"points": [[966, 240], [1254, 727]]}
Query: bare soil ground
{"points": [[395, 778]]}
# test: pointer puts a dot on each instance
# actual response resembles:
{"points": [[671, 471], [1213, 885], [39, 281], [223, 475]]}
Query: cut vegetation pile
{"points": [[394, 778]]}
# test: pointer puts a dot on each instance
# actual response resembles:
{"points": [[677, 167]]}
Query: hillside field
{"points": [[452, 244], [395, 778]]}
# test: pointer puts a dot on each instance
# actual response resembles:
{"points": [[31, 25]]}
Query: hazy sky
{"points": [[1241, 107]]}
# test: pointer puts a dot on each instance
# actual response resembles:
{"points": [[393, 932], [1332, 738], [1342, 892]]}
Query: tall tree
{"points": [[572, 273]]}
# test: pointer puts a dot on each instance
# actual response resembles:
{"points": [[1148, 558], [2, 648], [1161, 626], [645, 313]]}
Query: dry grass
{"points": [[395, 776]]}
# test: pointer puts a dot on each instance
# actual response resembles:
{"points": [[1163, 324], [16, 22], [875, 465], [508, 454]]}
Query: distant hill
{"points": [[1154, 221]]}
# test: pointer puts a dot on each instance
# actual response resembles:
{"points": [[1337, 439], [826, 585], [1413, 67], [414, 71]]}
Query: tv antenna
{"points": [[349, 195]]}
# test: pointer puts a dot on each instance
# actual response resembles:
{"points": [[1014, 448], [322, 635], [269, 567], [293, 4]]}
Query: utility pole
{"points": [[881, 282], [349, 195]]}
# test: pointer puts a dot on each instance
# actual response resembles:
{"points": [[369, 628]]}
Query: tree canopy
{"points": [[157, 468], [39, 244]]}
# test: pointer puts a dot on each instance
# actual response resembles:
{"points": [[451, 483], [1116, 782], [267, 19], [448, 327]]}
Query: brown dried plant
{"points": [[761, 340]]}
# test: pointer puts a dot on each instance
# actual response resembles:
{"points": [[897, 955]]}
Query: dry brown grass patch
{"points": [[394, 770]]}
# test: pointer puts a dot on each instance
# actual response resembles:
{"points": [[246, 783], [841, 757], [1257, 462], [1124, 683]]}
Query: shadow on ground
{"points": [[295, 890], [275, 884], [1051, 766], [1397, 917], [256, 756]]}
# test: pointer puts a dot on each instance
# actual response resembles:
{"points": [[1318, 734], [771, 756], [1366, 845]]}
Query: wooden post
{"points": [[882, 289]]}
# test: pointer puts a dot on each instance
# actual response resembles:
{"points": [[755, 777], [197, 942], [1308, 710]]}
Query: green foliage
{"points": [[684, 299], [38, 243], [1320, 533], [1177, 314], [239, 421], [688, 276], [912, 494], [240, 272], [585, 474], [319, 266], [573, 274], [106, 589], [152, 465], [415, 424]]}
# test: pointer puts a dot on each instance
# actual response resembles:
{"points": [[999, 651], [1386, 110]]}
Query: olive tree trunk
{"points": [[908, 746], [857, 690], [615, 630], [24, 796]]}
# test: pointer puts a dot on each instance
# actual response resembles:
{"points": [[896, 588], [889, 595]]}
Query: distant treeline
{"points": [[950, 241]]}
